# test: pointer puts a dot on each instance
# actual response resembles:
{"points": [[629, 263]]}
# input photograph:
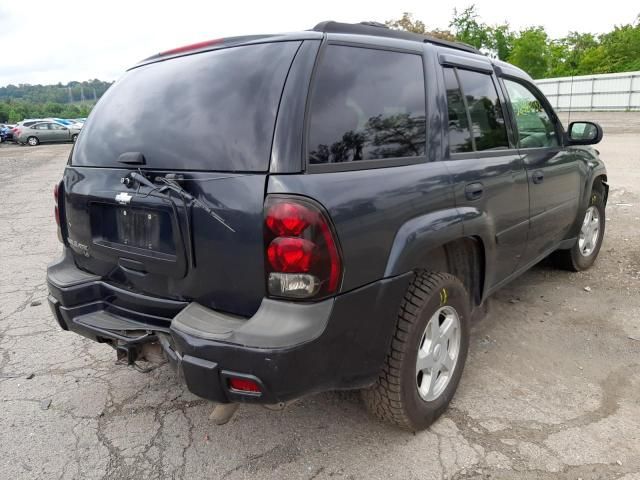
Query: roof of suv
{"points": [[380, 30], [373, 29]]}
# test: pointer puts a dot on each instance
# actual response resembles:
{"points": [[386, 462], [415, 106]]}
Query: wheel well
{"points": [[463, 258], [600, 183]]}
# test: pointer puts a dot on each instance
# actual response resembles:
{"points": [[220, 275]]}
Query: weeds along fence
{"points": [[607, 92]]}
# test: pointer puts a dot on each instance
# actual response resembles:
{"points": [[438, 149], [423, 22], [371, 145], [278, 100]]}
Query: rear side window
{"points": [[484, 113], [366, 105], [208, 111]]}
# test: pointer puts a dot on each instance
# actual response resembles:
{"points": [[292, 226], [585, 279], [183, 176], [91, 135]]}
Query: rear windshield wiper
{"points": [[170, 182]]}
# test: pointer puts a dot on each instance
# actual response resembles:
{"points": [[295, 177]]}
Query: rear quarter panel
{"points": [[369, 209]]}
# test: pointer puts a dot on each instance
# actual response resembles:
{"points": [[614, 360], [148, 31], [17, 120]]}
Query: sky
{"points": [[51, 41]]}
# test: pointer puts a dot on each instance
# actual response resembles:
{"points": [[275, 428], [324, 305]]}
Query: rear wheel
{"points": [[585, 251], [427, 353], [33, 141]]}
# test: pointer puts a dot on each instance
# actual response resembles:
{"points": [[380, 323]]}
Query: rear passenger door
{"points": [[44, 134], [553, 172], [489, 178], [58, 133]]}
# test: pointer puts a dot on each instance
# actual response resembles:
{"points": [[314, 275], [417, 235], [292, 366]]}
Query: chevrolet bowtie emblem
{"points": [[123, 197]]}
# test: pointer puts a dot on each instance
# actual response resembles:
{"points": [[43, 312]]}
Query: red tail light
{"points": [[244, 385], [302, 255]]}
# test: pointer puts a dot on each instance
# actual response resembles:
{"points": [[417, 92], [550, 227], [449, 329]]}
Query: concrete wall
{"points": [[611, 91]]}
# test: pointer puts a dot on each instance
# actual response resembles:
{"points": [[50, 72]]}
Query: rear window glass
{"points": [[209, 111], [367, 104]]}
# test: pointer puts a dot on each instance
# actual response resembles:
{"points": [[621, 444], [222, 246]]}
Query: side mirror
{"points": [[584, 133]]}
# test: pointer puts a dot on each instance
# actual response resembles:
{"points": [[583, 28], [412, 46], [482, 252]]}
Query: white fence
{"points": [[611, 91]]}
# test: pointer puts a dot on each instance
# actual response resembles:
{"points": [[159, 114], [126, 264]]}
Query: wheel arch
{"points": [[436, 242], [596, 180]]}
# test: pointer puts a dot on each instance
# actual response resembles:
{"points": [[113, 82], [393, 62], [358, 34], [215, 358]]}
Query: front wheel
{"points": [[33, 141], [585, 251], [427, 353]]}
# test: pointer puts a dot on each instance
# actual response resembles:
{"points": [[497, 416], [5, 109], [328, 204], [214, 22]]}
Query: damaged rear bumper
{"points": [[288, 348]]}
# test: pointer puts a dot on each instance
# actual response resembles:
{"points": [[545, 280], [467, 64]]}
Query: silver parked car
{"points": [[45, 132]]}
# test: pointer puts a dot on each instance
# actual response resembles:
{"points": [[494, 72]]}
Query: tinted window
{"points": [[459, 134], [55, 126], [487, 121], [209, 111], [535, 128], [367, 104]]}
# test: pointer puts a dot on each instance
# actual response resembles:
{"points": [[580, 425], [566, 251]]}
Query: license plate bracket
{"points": [[136, 229]]}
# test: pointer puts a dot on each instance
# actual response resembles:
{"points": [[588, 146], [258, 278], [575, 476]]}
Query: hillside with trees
{"points": [[534, 51], [73, 100]]}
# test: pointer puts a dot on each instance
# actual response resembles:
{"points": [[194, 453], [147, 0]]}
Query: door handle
{"points": [[538, 176], [473, 191]]}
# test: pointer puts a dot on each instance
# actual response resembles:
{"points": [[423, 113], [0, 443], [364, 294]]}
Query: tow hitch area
{"points": [[150, 352]]}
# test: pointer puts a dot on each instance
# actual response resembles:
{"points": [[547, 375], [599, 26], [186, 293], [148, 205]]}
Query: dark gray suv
{"points": [[337, 207]]}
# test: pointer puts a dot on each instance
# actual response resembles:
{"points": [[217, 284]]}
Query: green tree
{"points": [[531, 52], [622, 49], [409, 24], [501, 40], [468, 29], [4, 113]]}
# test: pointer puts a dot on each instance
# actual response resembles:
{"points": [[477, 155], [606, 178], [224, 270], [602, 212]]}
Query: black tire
{"points": [[395, 397], [74, 138], [572, 259], [33, 141]]}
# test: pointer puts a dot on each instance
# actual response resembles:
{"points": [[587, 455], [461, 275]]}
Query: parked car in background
{"points": [[65, 122], [45, 132], [6, 132], [24, 123]]}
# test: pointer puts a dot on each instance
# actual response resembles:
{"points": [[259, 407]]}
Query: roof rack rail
{"points": [[380, 30]]}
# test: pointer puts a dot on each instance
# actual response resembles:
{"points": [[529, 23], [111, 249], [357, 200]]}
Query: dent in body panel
{"points": [[228, 267]]}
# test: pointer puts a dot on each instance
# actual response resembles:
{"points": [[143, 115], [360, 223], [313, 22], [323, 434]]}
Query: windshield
{"points": [[208, 111]]}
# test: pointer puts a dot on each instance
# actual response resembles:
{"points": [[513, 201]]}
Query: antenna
{"points": [[570, 102]]}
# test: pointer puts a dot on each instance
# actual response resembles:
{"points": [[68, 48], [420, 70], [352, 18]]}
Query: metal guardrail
{"points": [[611, 91]]}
